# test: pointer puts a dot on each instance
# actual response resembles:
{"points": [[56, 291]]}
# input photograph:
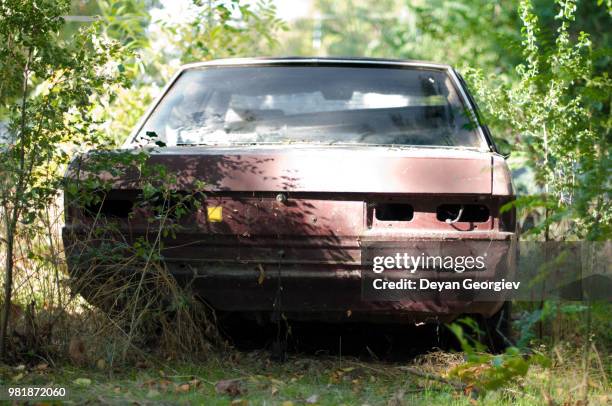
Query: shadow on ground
{"points": [[390, 343]]}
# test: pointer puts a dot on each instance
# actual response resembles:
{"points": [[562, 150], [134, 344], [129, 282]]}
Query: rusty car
{"points": [[301, 162]]}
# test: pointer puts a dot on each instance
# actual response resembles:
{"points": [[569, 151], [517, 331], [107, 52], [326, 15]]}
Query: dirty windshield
{"points": [[312, 105]]}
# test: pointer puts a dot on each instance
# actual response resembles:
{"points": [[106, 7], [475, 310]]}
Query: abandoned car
{"points": [[302, 162]]}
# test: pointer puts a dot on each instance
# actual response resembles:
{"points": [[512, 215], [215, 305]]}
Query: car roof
{"points": [[317, 61]]}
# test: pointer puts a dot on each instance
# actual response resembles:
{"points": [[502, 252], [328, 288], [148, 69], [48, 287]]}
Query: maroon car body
{"points": [[297, 214]]}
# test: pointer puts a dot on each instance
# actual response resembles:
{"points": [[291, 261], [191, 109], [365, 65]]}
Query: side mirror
{"points": [[503, 148]]}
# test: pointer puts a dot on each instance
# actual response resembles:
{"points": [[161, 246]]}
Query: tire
{"points": [[497, 329]]}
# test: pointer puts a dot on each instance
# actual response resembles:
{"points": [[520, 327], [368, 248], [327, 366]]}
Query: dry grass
{"points": [[122, 307]]}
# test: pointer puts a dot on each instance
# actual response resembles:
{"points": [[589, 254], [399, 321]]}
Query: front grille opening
{"points": [[394, 212], [117, 208], [471, 213]]}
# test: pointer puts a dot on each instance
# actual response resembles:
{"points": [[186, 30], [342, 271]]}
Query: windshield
{"points": [[312, 104]]}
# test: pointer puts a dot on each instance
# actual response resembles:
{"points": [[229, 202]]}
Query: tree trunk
{"points": [[8, 285], [11, 219]]}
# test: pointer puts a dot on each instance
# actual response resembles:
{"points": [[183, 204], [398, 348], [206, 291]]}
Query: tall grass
{"points": [[120, 306]]}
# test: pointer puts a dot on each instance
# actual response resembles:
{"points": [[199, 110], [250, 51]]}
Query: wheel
{"points": [[497, 329]]}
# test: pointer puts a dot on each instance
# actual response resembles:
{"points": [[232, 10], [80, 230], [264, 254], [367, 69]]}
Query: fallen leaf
{"points": [[312, 399], [42, 366], [231, 387], [335, 377], [82, 381], [101, 364], [239, 402], [18, 377], [183, 388], [20, 367], [274, 390]]}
